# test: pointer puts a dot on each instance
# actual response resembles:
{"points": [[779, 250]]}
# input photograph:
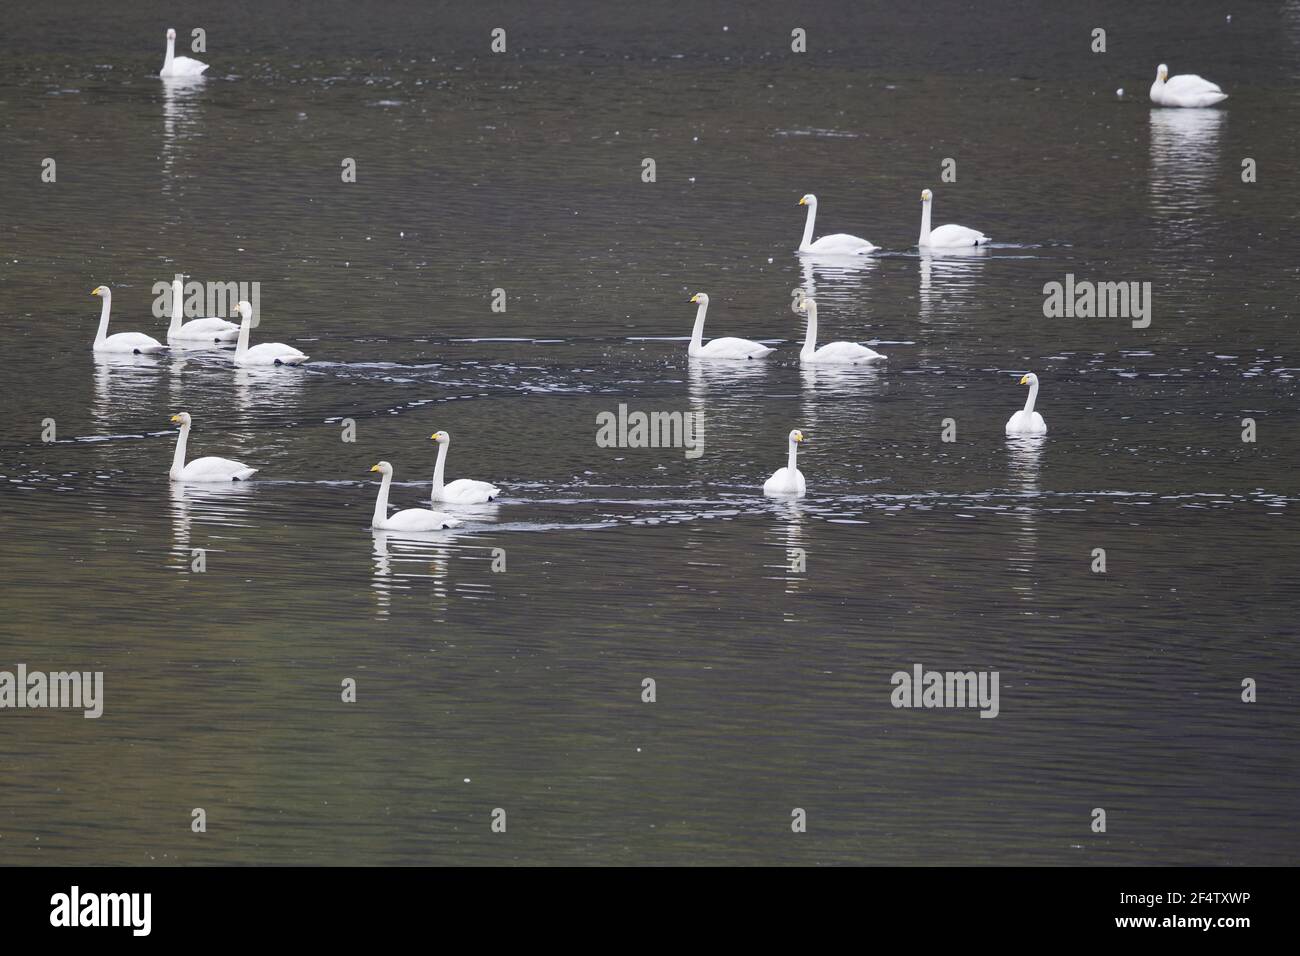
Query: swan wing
{"points": [[184, 66], [846, 353], [130, 342], [467, 491], [730, 347], [840, 244], [419, 519], [1190, 83], [213, 328], [216, 469], [268, 353], [785, 482], [1022, 423], [954, 235]]}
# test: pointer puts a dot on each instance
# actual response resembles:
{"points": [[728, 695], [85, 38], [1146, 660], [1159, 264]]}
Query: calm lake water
{"points": [[521, 688]]}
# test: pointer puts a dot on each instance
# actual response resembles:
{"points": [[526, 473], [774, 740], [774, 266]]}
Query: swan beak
{"points": [[374, 467], [94, 292], [696, 297], [803, 202], [176, 418], [1025, 380]]}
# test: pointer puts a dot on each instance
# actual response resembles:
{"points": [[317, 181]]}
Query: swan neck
{"points": [[242, 345], [808, 227], [103, 318], [381, 502], [924, 239], [810, 337], [794, 453], [171, 52], [178, 459], [177, 294], [697, 335], [1033, 397], [437, 469]]}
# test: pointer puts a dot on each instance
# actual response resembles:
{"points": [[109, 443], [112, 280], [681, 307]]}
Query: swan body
{"points": [[409, 519], [1027, 421], [175, 65], [948, 236], [197, 330], [462, 491], [788, 480], [128, 342], [728, 347], [834, 353], [203, 469], [836, 244], [268, 353], [1187, 90]]}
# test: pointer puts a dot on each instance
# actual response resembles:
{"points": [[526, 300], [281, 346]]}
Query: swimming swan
{"points": [[948, 236], [179, 65], [723, 348], [836, 244], [836, 353], [788, 480], [268, 353], [462, 491], [1187, 90], [136, 342], [1027, 421], [197, 330], [409, 519], [203, 469]]}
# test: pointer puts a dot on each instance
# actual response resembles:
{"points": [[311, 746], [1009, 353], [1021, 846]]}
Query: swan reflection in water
{"points": [[950, 280], [1025, 455], [225, 505], [125, 380], [1184, 163], [267, 385], [787, 534], [181, 120], [423, 560]]}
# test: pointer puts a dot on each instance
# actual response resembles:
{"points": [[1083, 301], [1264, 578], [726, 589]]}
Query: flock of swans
{"points": [[1188, 91]]}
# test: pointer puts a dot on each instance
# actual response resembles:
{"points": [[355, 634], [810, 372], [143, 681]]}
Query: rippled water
{"points": [[521, 689]]}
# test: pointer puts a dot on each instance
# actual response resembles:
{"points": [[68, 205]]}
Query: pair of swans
{"points": [[174, 66], [841, 244], [210, 329], [465, 491], [1186, 90], [729, 347]]}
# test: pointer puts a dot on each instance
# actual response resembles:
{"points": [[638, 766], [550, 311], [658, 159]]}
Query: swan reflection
{"points": [[1024, 460], [407, 560], [1184, 162]]}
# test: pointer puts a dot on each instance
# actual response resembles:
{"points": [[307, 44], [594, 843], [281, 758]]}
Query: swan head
{"points": [[244, 311], [384, 468], [926, 195], [1030, 379], [808, 200], [803, 302], [99, 290], [171, 34], [701, 297], [1162, 73], [182, 418], [440, 437], [796, 436]]}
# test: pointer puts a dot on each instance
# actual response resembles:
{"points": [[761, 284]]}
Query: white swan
{"points": [[136, 342], [462, 491], [1188, 90], [268, 353], [836, 244], [945, 236], [197, 330], [1027, 421], [788, 480], [409, 519], [179, 65], [729, 347], [203, 469], [836, 353]]}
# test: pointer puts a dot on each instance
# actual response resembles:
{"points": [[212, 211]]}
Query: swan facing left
{"points": [[462, 491], [1186, 90], [196, 330], [409, 519], [203, 469], [175, 65], [268, 353], [128, 342], [836, 244], [728, 347], [788, 481], [949, 236]]}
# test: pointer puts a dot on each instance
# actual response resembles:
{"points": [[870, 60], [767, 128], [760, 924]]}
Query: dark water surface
{"points": [[521, 689]]}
